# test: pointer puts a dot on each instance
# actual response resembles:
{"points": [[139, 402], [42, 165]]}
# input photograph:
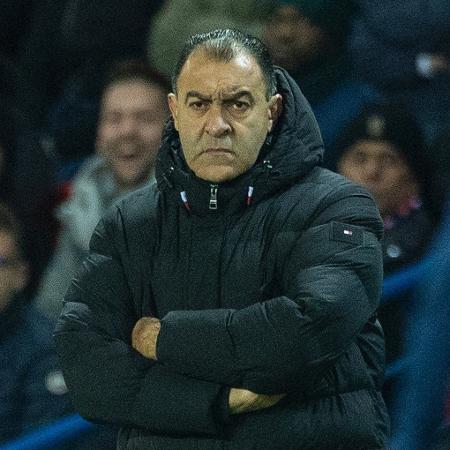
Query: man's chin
{"points": [[217, 174], [131, 181]]}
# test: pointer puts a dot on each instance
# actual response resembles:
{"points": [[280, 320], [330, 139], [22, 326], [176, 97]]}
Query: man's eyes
{"points": [[390, 160], [234, 106], [239, 106], [359, 157], [198, 105]]}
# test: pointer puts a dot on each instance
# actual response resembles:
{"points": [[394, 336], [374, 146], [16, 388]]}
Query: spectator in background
{"points": [[383, 150], [307, 38], [132, 114], [179, 19], [419, 404], [402, 47], [32, 388]]}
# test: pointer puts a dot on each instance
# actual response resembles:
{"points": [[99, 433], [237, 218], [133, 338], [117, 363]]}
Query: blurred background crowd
{"points": [[83, 87]]}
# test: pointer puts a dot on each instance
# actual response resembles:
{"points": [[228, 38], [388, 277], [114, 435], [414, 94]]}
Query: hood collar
{"points": [[290, 151]]}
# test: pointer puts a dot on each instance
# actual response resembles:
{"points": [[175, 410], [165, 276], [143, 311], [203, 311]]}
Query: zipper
{"points": [[213, 196]]}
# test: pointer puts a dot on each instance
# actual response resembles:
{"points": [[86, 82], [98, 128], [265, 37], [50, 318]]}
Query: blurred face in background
{"points": [[382, 170], [132, 116], [13, 269], [292, 39]]}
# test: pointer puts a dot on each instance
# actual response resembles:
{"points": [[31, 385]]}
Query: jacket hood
{"points": [[290, 151]]}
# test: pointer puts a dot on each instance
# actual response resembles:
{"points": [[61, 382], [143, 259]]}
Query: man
{"points": [[233, 304], [32, 390], [132, 113]]}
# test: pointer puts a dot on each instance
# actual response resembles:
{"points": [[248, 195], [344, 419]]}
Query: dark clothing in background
{"points": [[335, 95], [389, 35], [406, 241], [276, 297], [32, 389], [33, 197], [386, 39], [27, 185], [15, 19], [420, 396], [70, 44]]}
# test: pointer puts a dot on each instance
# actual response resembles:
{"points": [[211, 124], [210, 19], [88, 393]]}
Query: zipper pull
{"points": [[267, 165], [213, 196]]}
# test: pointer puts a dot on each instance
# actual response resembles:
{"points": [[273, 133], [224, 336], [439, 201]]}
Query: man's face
{"points": [[382, 170], [13, 269], [130, 125], [222, 115], [292, 39]]}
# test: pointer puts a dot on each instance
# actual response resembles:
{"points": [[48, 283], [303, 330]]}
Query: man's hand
{"points": [[242, 401], [145, 335]]}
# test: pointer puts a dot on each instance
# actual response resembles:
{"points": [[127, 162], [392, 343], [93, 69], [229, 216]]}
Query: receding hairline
{"points": [[224, 45], [212, 56]]}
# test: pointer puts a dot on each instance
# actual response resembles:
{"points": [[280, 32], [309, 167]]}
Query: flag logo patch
{"points": [[343, 232]]}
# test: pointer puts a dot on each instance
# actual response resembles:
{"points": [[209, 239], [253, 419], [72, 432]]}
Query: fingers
{"points": [[144, 336], [242, 401]]}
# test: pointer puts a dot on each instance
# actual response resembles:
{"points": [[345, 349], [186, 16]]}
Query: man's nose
{"points": [[128, 126], [216, 124], [373, 169]]}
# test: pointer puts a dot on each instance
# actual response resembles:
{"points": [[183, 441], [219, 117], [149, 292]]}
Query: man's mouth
{"points": [[217, 151], [127, 156]]}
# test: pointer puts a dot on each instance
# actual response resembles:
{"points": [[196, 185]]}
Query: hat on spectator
{"points": [[391, 123], [333, 16]]}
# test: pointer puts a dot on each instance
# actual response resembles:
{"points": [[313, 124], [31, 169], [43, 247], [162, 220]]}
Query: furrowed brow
{"points": [[196, 94], [238, 95]]}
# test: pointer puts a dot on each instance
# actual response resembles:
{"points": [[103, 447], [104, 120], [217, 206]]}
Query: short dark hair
{"points": [[136, 69], [224, 45]]}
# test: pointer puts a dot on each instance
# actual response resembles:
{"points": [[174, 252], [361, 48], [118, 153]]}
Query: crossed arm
{"points": [[144, 339]]}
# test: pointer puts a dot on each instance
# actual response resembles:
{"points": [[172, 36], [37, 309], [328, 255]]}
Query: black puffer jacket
{"points": [[278, 295]]}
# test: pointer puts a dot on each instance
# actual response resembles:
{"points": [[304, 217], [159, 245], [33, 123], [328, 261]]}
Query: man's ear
{"points": [[173, 106], [275, 108]]}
